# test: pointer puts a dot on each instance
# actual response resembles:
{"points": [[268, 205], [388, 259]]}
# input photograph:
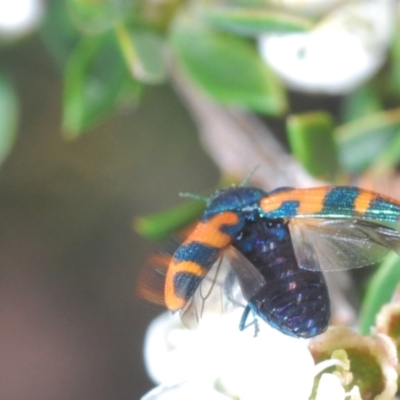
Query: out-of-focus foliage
{"points": [[8, 117], [96, 82], [379, 291], [226, 67], [311, 139], [110, 50], [255, 21], [196, 40], [159, 226], [364, 141]]}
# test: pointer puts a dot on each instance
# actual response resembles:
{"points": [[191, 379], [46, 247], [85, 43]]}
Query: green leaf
{"points": [[361, 103], [394, 68], [9, 111], [379, 291], [227, 68], [94, 79], [389, 158], [311, 141], [160, 226], [143, 51], [57, 31], [255, 21], [361, 141], [100, 15]]}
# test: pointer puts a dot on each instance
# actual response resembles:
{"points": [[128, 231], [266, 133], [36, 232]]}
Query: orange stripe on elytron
{"points": [[209, 232], [172, 301], [363, 201], [311, 201]]}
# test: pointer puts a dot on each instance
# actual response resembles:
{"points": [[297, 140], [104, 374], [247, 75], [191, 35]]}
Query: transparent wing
{"points": [[231, 281], [341, 244]]}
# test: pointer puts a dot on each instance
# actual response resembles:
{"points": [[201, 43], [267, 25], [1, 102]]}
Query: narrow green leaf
{"points": [[360, 103], [143, 51], [311, 141], [160, 226], [379, 291], [389, 158], [9, 111], [95, 77], [227, 68], [368, 124], [100, 15], [361, 141], [255, 21]]}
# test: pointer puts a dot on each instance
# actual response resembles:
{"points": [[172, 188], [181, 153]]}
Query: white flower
{"points": [[18, 17], [330, 387], [344, 50], [173, 353], [218, 355], [219, 362], [184, 391], [272, 365]]}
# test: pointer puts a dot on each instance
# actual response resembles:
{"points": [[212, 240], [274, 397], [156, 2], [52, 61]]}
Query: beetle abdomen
{"points": [[293, 300]]}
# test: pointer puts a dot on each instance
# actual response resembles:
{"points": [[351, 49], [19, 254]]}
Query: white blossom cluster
{"points": [[217, 362]]}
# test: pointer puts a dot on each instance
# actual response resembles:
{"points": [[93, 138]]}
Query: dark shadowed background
{"points": [[70, 326]]}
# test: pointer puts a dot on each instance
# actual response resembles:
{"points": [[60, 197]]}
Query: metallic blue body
{"points": [[243, 201], [293, 300]]}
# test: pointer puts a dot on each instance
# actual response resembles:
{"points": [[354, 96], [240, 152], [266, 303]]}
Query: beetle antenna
{"points": [[249, 176], [193, 196]]}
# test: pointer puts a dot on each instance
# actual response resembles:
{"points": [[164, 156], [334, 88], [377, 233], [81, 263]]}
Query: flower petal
{"points": [[329, 387], [184, 391], [341, 53], [261, 367]]}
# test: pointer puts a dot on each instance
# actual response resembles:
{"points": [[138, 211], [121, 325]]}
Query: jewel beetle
{"points": [[273, 247]]}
